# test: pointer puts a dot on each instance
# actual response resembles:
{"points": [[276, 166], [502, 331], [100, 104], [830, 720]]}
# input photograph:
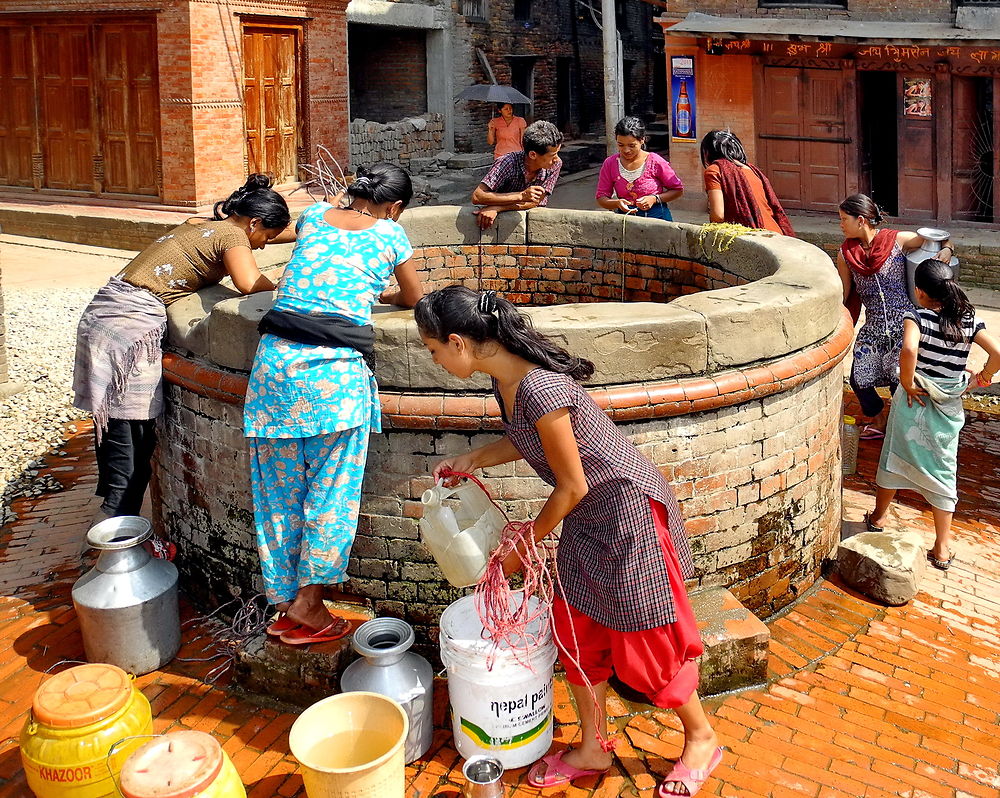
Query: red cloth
{"points": [[741, 206], [659, 662], [868, 263]]}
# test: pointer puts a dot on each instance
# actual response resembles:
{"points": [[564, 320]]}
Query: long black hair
{"points": [[483, 317], [255, 199], [937, 280], [864, 206], [381, 182], [722, 144]]}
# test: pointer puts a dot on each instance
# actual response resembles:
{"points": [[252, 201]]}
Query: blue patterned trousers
{"points": [[306, 499]]}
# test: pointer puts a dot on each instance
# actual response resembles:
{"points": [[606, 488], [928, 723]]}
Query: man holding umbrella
{"points": [[521, 180]]}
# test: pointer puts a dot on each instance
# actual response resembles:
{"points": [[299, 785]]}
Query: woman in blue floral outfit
{"points": [[312, 398]]}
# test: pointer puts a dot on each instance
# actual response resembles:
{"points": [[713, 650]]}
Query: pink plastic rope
{"points": [[506, 620]]}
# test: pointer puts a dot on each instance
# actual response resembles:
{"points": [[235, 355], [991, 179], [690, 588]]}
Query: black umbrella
{"points": [[492, 93]]}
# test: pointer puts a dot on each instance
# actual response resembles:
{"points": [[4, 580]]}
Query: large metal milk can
{"points": [[933, 242], [127, 603], [389, 668]]}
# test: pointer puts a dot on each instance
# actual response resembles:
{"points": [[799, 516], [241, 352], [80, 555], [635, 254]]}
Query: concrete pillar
{"points": [[441, 83]]}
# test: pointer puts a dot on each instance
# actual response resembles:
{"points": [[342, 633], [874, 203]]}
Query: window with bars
{"points": [[475, 10], [801, 3]]}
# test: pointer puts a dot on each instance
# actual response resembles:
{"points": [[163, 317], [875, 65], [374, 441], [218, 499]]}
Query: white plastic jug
{"points": [[460, 526]]}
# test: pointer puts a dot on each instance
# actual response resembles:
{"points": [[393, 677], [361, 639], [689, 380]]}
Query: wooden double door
{"points": [[802, 136], [271, 92], [80, 107]]}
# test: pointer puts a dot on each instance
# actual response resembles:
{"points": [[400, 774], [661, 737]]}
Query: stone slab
{"points": [[470, 160], [447, 225], [735, 642], [886, 566], [299, 675]]}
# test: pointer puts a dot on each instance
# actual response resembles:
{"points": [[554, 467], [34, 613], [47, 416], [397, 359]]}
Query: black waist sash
{"points": [[306, 328]]}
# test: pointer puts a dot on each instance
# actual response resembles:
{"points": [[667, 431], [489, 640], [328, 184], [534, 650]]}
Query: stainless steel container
{"points": [[483, 776], [933, 242], [388, 667], [127, 603]]}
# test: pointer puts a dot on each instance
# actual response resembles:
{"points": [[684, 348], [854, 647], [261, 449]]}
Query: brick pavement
{"points": [[862, 700]]}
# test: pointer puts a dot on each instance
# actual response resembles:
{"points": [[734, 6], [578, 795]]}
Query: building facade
{"points": [[896, 100], [167, 101], [410, 59]]}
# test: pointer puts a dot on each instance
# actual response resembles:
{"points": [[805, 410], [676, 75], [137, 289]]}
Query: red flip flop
{"points": [[304, 636], [281, 625]]}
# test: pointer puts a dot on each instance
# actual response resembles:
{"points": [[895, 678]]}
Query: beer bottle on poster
{"points": [[682, 112]]}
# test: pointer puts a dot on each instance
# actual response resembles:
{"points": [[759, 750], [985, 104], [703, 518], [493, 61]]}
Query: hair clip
{"points": [[488, 302]]}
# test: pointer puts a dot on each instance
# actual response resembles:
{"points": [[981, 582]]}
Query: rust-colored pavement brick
{"points": [[862, 701]]}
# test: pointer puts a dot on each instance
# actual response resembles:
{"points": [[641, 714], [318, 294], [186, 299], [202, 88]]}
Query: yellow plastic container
{"points": [[76, 716], [182, 764], [351, 746]]}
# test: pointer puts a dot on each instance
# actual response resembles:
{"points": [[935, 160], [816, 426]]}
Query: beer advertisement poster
{"points": [[682, 95]]}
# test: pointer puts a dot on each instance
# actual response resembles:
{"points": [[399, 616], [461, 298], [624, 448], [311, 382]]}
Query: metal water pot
{"points": [[389, 668], [127, 603], [933, 242]]}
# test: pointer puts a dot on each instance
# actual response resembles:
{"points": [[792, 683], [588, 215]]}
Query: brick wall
{"points": [[876, 10], [388, 72], [396, 142]]}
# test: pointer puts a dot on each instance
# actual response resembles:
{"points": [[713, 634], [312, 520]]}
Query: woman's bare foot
{"points": [[697, 755], [308, 608], [588, 758]]}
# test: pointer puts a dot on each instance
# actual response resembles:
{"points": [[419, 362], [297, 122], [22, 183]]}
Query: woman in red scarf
{"points": [[872, 266], [738, 192]]}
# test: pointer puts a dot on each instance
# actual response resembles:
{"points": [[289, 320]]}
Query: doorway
{"points": [[271, 99], [973, 156], [879, 139], [522, 78]]}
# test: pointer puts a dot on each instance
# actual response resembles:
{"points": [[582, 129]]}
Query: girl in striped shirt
{"points": [[920, 451]]}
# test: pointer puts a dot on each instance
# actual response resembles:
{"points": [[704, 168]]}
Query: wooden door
{"points": [[17, 108], [270, 97], [67, 134], [972, 148], [917, 189], [129, 108], [802, 138]]}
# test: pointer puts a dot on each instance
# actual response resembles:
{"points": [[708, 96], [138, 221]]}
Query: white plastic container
{"points": [[504, 711], [460, 527]]}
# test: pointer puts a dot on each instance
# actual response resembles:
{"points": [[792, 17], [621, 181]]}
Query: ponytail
{"points": [[255, 199], [381, 183], [937, 280], [485, 317]]}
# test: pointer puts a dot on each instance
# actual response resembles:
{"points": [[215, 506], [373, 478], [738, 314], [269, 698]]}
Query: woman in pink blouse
{"points": [[635, 180]]}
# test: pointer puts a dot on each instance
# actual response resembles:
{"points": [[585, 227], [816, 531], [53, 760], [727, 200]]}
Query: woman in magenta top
{"points": [[635, 180]]}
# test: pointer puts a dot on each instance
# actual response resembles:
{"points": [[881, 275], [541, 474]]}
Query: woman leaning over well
{"points": [[117, 375], [738, 192], [872, 267], [312, 399]]}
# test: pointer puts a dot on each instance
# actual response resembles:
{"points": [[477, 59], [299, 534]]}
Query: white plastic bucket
{"points": [[351, 746], [504, 711]]}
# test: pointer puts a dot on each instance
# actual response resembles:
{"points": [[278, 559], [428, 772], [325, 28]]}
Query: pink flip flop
{"points": [[870, 433], [557, 772], [304, 636], [693, 780]]}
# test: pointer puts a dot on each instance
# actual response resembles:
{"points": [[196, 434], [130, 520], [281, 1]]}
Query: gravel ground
{"points": [[41, 335]]}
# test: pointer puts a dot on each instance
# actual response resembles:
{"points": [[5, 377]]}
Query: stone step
{"points": [[735, 642], [299, 675], [886, 566], [470, 160]]}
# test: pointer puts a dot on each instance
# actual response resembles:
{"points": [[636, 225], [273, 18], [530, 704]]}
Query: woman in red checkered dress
{"points": [[623, 554]]}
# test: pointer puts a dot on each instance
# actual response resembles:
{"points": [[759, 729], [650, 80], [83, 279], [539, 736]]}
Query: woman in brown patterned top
{"points": [[623, 553], [117, 375]]}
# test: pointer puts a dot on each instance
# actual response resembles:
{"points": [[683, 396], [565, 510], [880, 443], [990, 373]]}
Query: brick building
{"points": [[898, 100], [410, 59], [170, 101]]}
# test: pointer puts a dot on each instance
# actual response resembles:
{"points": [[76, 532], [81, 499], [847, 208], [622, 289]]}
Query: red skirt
{"points": [[658, 663]]}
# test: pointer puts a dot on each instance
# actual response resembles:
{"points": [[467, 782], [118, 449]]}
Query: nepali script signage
{"points": [[893, 53]]}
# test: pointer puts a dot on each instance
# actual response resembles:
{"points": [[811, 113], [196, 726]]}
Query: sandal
{"points": [[942, 565], [304, 635], [281, 625], [870, 433], [557, 772], [693, 780], [870, 526]]}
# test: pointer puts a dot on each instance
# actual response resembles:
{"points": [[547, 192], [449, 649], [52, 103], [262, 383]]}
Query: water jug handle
{"points": [[111, 751], [432, 496]]}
